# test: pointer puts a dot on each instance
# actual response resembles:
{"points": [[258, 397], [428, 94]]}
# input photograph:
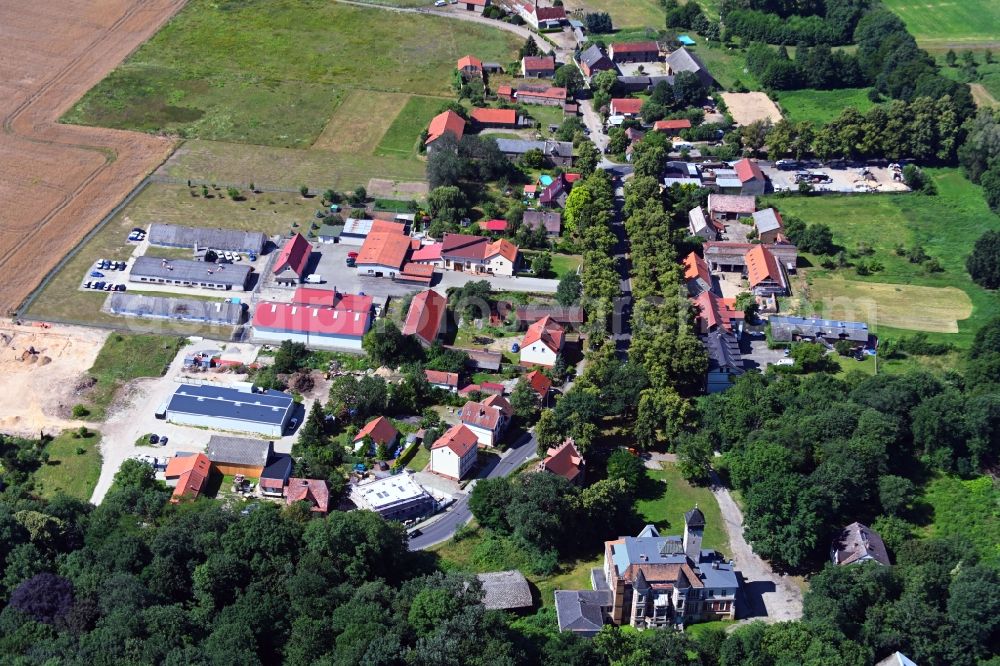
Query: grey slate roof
{"points": [[235, 275], [723, 352], [766, 220], [581, 610], [238, 450], [177, 235], [858, 542], [505, 590], [785, 329], [278, 467], [551, 220], [165, 307], [683, 60], [548, 148], [593, 55], [694, 518], [267, 407]]}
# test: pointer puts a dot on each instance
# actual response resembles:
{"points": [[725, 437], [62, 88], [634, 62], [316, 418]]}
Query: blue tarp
{"points": [[685, 40]]}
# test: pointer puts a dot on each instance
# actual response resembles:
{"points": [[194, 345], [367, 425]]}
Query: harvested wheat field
{"points": [[58, 181], [43, 369]]}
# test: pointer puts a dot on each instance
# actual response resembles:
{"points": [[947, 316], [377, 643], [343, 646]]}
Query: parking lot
{"points": [[844, 180], [756, 355]]}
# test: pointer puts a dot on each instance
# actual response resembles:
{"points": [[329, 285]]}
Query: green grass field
{"points": [[667, 505], [123, 358], [624, 13], [821, 106], [273, 73], [727, 65], [968, 509], [944, 24], [73, 467], [402, 135], [946, 226], [985, 88]]}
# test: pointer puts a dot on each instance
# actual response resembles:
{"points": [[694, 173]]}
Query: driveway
{"points": [[134, 415], [767, 595], [756, 355], [592, 121], [443, 526]]}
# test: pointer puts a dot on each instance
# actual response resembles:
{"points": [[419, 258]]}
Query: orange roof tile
{"points": [[314, 491], [761, 265], [441, 377], [548, 331], [748, 170], [626, 105], [380, 430], [469, 61], [504, 248], [448, 122], [458, 438], [494, 116], [426, 316], [384, 249], [678, 123], [538, 382], [191, 473], [564, 460], [695, 267]]}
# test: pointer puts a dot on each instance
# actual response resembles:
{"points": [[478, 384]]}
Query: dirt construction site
{"points": [[58, 181], [41, 368]]}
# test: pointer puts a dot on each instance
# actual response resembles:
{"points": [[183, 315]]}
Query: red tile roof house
{"points": [[506, 93], [715, 313], [538, 67], [383, 253], [487, 419], [380, 430], [626, 106], [542, 343], [538, 383], [495, 226], [313, 491], [544, 96], [455, 453], [293, 261], [429, 255], [491, 388], [319, 318], [634, 52], [672, 127], [751, 177], [187, 474], [551, 220], [447, 381], [462, 252], [555, 195], [765, 273], [447, 122], [426, 318], [696, 274], [501, 118], [566, 461], [470, 67]]}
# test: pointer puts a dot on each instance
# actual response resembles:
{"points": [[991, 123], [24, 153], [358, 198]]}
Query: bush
{"points": [[80, 411]]}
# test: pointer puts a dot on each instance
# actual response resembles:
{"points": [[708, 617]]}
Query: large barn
{"points": [[223, 313], [231, 408]]}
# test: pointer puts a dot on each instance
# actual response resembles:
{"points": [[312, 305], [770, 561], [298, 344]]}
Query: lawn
{"points": [[73, 467], [969, 509], [986, 89], [562, 264], [123, 358], [274, 73], [61, 300], [546, 115], [669, 496], [288, 168], [401, 136], [897, 299], [727, 65], [624, 13], [944, 24], [419, 460], [822, 106], [358, 123]]}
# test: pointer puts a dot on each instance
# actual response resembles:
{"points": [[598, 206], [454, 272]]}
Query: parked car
{"points": [[119, 287], [108, 287], [292, 424], [414, 533], [153, 439], [96, 274], [98, 285], [252, 256], [440, 3], [105, 264], [86, 285], [163, 441], [99, 263], [786, 165]]}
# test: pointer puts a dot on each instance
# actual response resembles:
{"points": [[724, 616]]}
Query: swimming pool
{"points": [[545, 180]]}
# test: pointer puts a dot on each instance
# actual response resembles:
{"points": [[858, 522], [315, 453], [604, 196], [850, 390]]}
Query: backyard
{"points": [[73, 465], [966, 508], [275, 73], [401, 136], [624, 13], [904, 296], [668, 496]]}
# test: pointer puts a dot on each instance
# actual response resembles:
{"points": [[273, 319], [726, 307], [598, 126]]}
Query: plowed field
{"points": [[57, 181]]}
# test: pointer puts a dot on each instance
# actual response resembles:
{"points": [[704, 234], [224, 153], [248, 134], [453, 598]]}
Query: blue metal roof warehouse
{"points": [[231, 408]]}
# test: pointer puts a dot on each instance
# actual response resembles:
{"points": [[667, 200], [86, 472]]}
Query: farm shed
{"points": [[183, 309], [177, 235], [239, 409], [188, 273]]}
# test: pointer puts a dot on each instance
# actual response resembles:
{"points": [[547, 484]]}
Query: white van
{"points": [[314, 279]]}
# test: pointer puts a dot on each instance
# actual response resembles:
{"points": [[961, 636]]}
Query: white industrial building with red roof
{"points": [[318, 318]]}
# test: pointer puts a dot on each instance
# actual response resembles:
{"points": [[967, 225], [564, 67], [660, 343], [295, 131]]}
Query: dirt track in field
{"points": [[58, 181]]}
